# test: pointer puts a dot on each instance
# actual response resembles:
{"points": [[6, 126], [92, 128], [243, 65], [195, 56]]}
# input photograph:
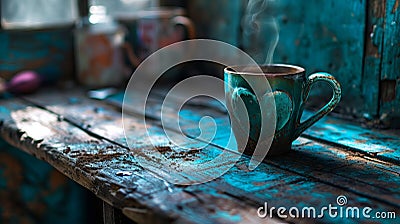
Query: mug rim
{"points": [[291, 70]]}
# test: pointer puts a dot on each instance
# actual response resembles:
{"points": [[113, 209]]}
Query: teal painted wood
{"points": [[49, 52], [31, 191], [372, 56], [306, 177], [357, 41], [390, 76], [379, 144], [384, 145], [326, 36]]}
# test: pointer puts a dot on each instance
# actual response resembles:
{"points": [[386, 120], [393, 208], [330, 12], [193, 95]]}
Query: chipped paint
{"points": [[313, 174]]}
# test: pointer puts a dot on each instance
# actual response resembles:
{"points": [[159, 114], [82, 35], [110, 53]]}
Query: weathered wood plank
{"points": [[390, 77], [373, 55], [68, 152], [368, 138], [102, 167], [320, 173], [374, 144], [112, 215], [379, 144]]}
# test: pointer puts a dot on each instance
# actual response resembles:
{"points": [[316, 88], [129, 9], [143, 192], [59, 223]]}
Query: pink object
{"points": [[24, 82]]}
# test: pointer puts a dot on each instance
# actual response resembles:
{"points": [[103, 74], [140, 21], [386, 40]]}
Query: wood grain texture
{"points": [[235, 196], [93, 161], [390, 93], [373, 55], [373, 143]]}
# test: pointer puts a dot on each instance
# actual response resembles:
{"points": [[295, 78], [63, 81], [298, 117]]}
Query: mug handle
{"points": [[187, 23], [337, 94]]}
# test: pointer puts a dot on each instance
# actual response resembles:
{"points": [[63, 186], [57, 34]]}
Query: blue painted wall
{"points": [[49, 52], [356, 41]]}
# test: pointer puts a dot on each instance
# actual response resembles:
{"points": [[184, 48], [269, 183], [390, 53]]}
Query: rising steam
{"points": [[260, 30]]}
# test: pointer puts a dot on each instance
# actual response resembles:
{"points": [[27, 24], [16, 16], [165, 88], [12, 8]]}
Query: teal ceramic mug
{"points": [[288, 88]]}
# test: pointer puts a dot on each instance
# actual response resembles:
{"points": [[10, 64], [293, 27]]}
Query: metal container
{"points": [[98, 44]]}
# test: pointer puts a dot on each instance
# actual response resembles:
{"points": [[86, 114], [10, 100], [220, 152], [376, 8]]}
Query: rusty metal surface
{"points": [[83, 139]]}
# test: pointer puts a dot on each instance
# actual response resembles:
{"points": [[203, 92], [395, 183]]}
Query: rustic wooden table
{"points": [[84, 140]]}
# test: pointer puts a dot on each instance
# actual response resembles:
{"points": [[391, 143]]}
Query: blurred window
{"points": [[17, 14]]}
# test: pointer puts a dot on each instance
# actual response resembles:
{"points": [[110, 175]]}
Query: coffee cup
{"points": [[273, 97], [157, 27]]}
